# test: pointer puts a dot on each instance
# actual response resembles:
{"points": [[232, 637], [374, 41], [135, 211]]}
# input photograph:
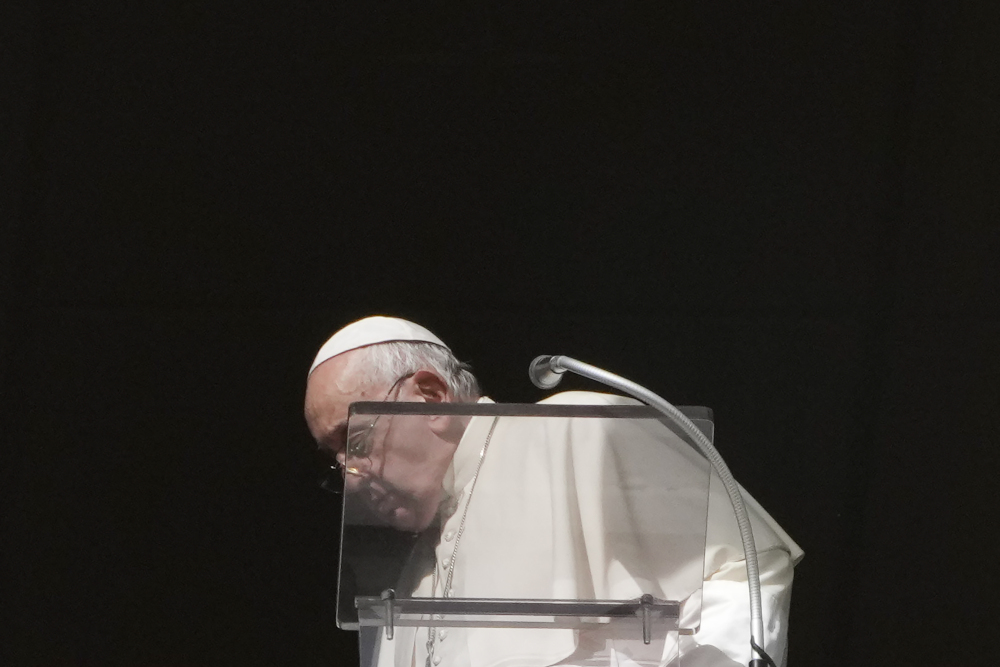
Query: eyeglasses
{"points": [[360, 443], [331, 472]]}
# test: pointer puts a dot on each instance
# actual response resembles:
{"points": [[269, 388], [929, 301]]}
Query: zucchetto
{"points": [[371, 331]]}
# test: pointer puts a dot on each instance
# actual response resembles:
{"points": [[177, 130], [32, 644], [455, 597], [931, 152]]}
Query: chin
{"points": [[407, 520]]}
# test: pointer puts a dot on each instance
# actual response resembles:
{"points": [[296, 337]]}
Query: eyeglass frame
{"points": [[338, 470]]}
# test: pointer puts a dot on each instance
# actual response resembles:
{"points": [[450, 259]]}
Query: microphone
{"points": [[545, 371]]}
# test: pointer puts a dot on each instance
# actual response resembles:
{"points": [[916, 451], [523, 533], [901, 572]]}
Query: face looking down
{"points": [[394, 464]]}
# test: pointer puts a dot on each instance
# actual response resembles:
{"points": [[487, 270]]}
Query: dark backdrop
{"points": [[787, 212]]}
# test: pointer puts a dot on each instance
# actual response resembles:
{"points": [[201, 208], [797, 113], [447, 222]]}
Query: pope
{"points": [[577, 543]]}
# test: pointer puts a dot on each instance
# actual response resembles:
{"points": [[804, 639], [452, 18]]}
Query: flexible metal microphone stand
{"points": [[546, 372]]}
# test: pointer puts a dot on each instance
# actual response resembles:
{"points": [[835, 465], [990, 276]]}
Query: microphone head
{"points": [[542, 374]]}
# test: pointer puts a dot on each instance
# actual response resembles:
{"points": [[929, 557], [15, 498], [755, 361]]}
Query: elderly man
{"points": [[429, 477]]}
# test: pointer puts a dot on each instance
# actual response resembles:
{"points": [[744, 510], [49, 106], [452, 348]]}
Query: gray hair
{"points": [[384, 363]]}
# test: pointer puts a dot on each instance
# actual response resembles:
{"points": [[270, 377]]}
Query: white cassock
{"points": [[545, 519]]}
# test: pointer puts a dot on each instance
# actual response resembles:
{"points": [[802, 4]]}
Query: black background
{"points": [[785, 211]]}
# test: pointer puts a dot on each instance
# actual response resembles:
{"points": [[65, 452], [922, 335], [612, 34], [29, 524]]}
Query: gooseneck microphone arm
{"points": [[546, 372]]}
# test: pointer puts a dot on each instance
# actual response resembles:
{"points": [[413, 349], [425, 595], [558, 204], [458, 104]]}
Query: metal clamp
{"points": [[646, 609], [389, 600]]}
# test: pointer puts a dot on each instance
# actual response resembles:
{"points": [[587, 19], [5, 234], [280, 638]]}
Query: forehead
{"points": [[331, 389]]}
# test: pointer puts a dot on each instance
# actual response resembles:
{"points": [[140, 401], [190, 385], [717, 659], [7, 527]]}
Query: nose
{"points": [[356, 479], [357, 472]]}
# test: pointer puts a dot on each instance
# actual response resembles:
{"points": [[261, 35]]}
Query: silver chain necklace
{"points": [[432, 631]]}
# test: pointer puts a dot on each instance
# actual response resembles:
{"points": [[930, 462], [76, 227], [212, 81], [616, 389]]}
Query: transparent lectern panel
{"points": [[587, 519]]}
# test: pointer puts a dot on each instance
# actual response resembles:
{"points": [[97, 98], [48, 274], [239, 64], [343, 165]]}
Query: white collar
{"points": [[466, 460]]}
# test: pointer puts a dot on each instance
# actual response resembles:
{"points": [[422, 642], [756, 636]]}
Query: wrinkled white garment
{"points": [[546, 520]]}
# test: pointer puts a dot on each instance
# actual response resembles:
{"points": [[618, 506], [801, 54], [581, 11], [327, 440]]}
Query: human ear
{"points": [[431, 387]]}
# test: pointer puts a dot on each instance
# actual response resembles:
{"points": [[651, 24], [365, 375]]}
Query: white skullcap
{"points": [[371, 331]]}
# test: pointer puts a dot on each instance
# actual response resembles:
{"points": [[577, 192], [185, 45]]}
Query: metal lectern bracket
{"points": [[389, 599], [388, 610], [646, 605]]}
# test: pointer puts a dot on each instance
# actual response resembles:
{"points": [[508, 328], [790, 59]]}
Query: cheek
{"points": [[413, 479], [405, 463]]}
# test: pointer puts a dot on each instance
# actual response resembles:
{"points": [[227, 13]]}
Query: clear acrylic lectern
{"points": [[521, 534]]}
